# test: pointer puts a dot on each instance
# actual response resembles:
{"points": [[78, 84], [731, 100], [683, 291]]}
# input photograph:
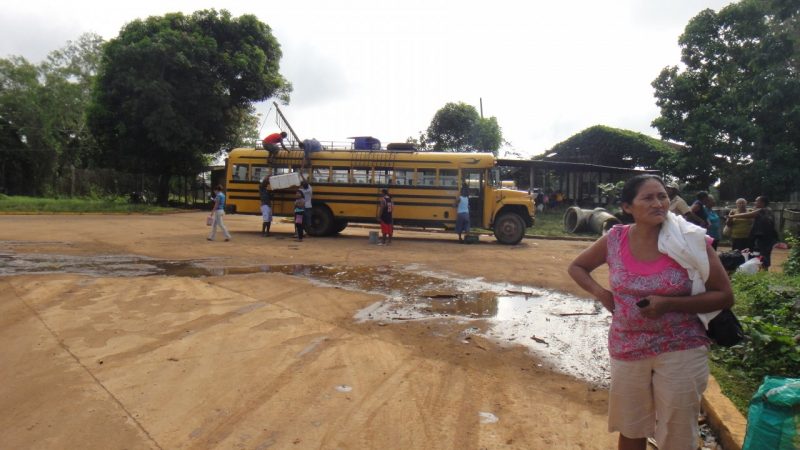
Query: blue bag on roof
{"points": [[311, 146]]}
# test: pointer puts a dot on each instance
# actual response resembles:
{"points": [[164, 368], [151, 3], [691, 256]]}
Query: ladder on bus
{"points": [[379, 160]]}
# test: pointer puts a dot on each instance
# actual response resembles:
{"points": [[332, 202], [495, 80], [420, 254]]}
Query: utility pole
{"points": [[481, 107]]}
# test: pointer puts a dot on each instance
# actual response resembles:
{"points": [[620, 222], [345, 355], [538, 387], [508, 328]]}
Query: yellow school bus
{"points": [[347, 186]]}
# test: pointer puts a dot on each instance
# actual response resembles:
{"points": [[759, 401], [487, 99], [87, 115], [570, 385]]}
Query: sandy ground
{"points": [[268, 360]]}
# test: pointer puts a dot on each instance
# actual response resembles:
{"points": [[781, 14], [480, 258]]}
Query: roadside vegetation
{"points": [[22, 204], [768, 305]]}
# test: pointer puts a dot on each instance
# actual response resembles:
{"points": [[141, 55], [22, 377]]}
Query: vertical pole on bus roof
{"points": [[481, 98], [296, 139]]}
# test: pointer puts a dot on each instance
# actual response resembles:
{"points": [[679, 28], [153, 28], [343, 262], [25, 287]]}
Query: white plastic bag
{"points": [[751, 266]]}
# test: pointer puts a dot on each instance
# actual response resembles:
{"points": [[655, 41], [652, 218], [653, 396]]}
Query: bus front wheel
{"points": [[509, 229], [322, 223]]}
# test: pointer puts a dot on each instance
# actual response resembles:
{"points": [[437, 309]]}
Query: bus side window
{"points": [[404, 177], [427, 177], [448, 177], [360, 175], [321, 175], [240, 172], [258, 173], [383, 175], [340, 175]]}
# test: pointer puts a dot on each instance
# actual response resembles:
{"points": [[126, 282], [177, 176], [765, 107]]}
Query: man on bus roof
{"points": [[271, 142]]}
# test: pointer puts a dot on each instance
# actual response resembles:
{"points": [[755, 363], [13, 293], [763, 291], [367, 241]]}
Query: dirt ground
{"points": [[268, 360]]}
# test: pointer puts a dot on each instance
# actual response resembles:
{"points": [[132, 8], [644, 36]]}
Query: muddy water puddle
{"points": [[565, 332]]}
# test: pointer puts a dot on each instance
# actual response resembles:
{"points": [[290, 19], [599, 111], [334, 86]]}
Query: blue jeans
{"points": [[462, 223], [218, 222]]}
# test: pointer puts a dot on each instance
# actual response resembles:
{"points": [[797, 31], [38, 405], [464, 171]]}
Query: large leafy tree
{"points": [[173, 90], [609, 146], [457, 127], [68, 75], [736, 102], [42, 108]]}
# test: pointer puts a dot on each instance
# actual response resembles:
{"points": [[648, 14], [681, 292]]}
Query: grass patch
{"points": [[21, 204], [738, 388]]}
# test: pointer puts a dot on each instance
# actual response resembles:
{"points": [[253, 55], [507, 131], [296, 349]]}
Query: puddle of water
{"points": [[566, 332]]}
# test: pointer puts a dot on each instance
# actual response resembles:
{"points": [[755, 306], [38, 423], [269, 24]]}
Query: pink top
{"points": [[633, 336]]}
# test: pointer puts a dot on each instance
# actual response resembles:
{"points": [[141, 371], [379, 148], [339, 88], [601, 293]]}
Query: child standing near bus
{"points": [[385, 218], [266, 208], [462, 213], [299, 212]]}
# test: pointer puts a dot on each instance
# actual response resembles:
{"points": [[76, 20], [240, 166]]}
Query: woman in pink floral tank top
{"points": [[658, 348]]}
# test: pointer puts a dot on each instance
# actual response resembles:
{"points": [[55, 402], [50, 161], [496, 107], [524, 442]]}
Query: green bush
{"points": [[792, 264], [768, 305]]}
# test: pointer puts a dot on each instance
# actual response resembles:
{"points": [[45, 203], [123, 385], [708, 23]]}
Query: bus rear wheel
{"points": [[321, 223], [509, 229]]}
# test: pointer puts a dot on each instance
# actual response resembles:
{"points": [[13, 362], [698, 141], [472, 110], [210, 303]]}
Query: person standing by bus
{"points": [[385, 217], [217, 211], [305, 188], [462, 213], [266, 208], [299, 212]]}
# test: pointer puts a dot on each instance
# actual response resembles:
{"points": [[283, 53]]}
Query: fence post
{"points": [[72, 180]]}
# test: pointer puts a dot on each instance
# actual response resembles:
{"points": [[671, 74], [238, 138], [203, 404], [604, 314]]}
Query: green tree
{"points": [[42, 109], [244, 131], [68, 76], [174, 90], [457, 127], [26, 160], [736, 103]]}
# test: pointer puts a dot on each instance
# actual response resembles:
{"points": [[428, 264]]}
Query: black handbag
{"points": [[724, 329]]}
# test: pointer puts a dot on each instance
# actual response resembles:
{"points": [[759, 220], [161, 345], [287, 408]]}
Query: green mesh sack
{"points": [[773, 420]]}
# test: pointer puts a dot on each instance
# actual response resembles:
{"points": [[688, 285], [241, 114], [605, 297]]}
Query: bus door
{"points": [[475, 181]]}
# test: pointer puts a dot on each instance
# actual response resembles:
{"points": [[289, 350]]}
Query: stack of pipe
{"points": [[597, 220]]}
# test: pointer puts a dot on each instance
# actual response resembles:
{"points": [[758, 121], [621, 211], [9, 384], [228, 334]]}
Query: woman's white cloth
{"points": [[685, 242]]}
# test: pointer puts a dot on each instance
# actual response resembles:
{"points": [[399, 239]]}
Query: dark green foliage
{"points": [[173, 90], [768, 305], [792, 264], [736, 104], [42, 107], [611, 147], [458, 127]]}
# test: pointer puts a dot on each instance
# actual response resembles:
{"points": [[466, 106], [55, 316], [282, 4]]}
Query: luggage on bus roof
{"points": [[366, 143]]}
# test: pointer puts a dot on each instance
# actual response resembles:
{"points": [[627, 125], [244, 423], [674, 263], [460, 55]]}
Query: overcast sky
{"points": [[546, 70]]}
